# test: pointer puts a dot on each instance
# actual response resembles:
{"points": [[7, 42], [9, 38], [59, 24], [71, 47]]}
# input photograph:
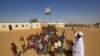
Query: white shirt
{"points": [[56, 45], [31, 42], [40, 46], [46, 37], [78, 48], [59, 44]]}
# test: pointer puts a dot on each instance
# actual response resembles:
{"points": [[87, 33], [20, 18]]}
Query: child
{"points": [[45, 47], [48, 48], [22, 43], [59, 46], [37, 49], [14, 49], [62, 37], [28, 43], [52, 50], [40, 47]]}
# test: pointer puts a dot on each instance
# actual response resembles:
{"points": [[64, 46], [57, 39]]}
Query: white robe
{"points": [[78, 48]]}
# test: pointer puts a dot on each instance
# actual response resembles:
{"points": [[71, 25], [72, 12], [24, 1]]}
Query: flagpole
{"points": [[48, 12], [50, 19]]}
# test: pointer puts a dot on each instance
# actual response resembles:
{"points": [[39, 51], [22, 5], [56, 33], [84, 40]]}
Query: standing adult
{"points": [[78, 48]]}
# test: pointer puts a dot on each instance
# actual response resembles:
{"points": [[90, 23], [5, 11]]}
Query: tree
{"points": [[33, 20]]}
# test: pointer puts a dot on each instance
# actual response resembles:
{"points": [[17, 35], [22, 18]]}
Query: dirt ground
{"points": [[91, 40]]}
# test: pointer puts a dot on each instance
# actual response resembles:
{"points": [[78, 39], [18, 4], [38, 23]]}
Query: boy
{"points": [[22, 41], [14, 49]]}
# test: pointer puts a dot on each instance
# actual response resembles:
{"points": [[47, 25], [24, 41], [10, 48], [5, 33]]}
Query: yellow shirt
{"points": [[52, 49], [22, 42]]}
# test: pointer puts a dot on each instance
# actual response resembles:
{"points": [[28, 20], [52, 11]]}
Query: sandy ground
{"points": [[91, 40]]}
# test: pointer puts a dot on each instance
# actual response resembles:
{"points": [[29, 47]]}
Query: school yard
{"points": [[91, 40]]}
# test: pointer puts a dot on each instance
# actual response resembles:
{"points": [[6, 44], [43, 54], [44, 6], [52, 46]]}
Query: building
{"points": [[58, 24], [23, 26], [14, 26], [35, 25], [97, 25]]}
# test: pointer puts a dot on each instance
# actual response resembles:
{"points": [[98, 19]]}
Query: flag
{"points": [[48, 10]]}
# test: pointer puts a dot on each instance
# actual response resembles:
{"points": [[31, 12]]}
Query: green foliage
{"points": [[33, 20]]}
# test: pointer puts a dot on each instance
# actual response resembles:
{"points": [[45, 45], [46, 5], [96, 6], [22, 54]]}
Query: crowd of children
{"points": [[44, 42]]}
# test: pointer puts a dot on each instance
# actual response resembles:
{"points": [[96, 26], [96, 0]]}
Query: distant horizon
{"points": [[66, 11], [50, 22]]}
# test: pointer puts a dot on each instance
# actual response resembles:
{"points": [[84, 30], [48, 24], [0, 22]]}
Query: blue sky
{"points": [[76, 11]]}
